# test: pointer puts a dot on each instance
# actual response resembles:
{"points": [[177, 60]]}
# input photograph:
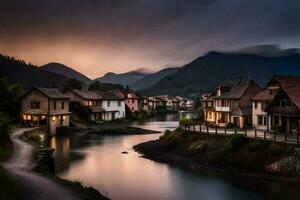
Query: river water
{"points": [[97, 161]]}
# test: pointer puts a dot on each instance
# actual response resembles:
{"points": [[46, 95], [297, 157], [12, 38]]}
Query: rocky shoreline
{"points": [[285, 169]]}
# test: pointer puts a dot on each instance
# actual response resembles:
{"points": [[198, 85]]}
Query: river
{"points": [[97, 161]]}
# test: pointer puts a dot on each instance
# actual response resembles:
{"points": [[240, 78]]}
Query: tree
{"points": [[10, 99], [72, 83], [98, 86]]}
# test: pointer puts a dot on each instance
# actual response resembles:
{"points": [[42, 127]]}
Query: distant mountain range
{"points": [[259, 62], [66, 71], [124, 79], [150, 79], [28, 75], [207, 71]]}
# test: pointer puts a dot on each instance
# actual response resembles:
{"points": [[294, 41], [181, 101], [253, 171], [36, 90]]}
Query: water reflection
{"points": [[96, 160]]}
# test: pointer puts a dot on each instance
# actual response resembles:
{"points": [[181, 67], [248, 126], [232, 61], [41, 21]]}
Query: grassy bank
{"points": [[234, 153]]}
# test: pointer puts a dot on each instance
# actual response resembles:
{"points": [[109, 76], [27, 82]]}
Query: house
{"points": [[89, 99], [45, 106], [283, 112], [143, 103], [189, 104], [152, 103], [113, 105], [182, 102], [131, 99], [231, 104]]}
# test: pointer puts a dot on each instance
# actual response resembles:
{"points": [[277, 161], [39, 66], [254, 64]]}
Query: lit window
{"points": [[53, 118]]}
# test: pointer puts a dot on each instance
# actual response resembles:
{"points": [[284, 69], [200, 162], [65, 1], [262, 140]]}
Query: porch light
{"points": [[53, 118]]}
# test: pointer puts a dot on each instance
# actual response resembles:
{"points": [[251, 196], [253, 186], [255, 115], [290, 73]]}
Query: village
{"points": [[242, 104], [52, 108]]}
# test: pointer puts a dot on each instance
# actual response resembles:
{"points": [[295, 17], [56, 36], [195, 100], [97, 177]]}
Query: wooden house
{"points": [[45, 106]]}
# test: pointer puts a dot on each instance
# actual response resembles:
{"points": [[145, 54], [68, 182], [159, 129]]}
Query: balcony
{"points": [[222, 109]]}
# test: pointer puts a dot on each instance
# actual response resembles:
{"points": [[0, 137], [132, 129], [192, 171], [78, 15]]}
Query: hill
{"points": [[123, 79], [207, 71], [27, 75], [66, 71], [151, 79]]}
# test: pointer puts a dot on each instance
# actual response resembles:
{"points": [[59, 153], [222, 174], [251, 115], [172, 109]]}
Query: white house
{"points": [[113, 105]]}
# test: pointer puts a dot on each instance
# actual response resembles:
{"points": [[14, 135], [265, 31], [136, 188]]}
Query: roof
{"points": [[126, 94], [293, 93], [264, 95], [246, 110], [284, 81], [154, 99], [236, 91], [52, 93], [86, 94], [110, 95]]}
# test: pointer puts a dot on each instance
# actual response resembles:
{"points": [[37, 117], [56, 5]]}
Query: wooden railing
{"points": [[251, 133]]}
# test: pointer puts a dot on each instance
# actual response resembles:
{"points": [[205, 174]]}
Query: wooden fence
{"points": [[251, 133]]}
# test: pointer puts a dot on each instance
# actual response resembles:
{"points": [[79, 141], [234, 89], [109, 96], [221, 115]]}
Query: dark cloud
{"points": [[141, 33]]}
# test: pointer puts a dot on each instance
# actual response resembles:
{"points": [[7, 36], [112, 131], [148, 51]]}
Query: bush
{"points": [[236, 142], [185, 122], [35, 138], [230, 125], [5, 129], [276, 149], [257, 145], [198, 146]]}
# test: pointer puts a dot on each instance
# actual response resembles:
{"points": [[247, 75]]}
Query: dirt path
{"points": [[34, 186]]}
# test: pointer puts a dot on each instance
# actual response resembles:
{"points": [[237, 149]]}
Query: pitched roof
{"points": [[154, 99], [284, 81], [86, 94], [246, 110], [110, 95], [293, 93], [52, 93], [236, 91], [264, 95]]}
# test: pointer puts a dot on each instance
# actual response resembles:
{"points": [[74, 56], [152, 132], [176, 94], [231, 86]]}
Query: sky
{"points": [[99, 36]]}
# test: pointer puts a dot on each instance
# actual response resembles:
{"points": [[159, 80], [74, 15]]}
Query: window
{"points": [[132, 100], [62, 105], [260, 120], [209, 115], [108, 103], [255, 105], [119, 103], [54, 105], [265, 120], [35, 105]]}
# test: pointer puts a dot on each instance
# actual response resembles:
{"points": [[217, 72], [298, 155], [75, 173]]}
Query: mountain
{"points": [[66, 71], [123, 79], [207, 71], [151, 79], [27, 75]]}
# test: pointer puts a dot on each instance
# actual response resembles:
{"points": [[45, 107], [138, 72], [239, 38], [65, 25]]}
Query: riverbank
{"points": [[230, 154], [35, 185]]}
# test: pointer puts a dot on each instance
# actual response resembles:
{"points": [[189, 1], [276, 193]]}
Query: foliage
{"points": [[10, 99], [72, 83], [98, 86], [83, 112], [185, 122], [35, 138], [231, 125], [197, 103], [5, 128], [236, 142], [276, 149]]}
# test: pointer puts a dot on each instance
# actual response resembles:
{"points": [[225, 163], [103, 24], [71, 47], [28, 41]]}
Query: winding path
{"points": [[34, 186]]}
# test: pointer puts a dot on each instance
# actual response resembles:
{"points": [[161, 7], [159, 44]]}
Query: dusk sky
{"points": [[98, 36]]}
